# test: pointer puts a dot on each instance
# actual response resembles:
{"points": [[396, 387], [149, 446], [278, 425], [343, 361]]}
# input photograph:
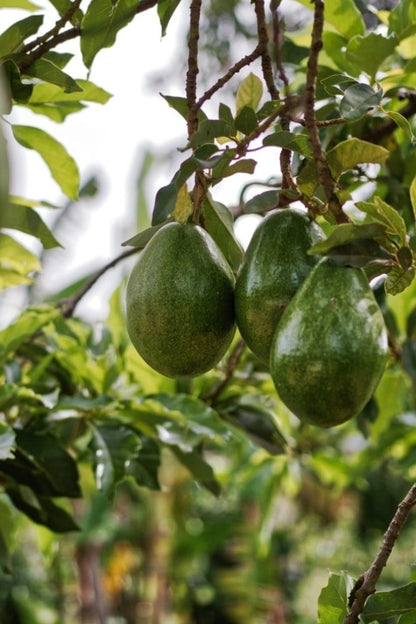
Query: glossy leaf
{"points": [[25, 219], [12, 38], [385, 604], [358, 99], [333, 599], [219, 224], [165, 10], [398, 279], [61, 165], [402, 19], [249, 93], [47, 71], [101, 24], [114, 447]]}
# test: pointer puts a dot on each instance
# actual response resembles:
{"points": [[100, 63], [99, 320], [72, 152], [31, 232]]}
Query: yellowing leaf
{"points": [[183, 206], [61, 165], [249, 93], [352, 152]]}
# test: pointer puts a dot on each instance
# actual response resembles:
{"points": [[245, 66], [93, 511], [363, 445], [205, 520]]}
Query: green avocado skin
{"points": [[179, 302], [330, 347], [274, 266]]}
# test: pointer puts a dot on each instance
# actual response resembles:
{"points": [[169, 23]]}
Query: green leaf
{"points": [[385, 214], [347, 233], [343, 15], [180, 104], [262, 202], [199, 469], [7, 441], [55, 466], [29, 322], [12, 38], [101, 24], [249, 93], [385, 604], [407, 618], [352, 152], [402, 19], [87, 92], [412, 193], [26, 5], [245, 165], [400, 121], [25, 219], [114, 447], [62, 6], [4, 170], [165, 10], [144, 468], [219, 224], [246, 120], [209, 130], [41, 510], [61, 165], [333, 599], [47, 71], [291, 141], [358, 99], [369, 51], [398, 279], [16, 262]]}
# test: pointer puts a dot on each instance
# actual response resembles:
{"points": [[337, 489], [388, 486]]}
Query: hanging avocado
{"points": [[275, 264], [330, 347], [180, 313]]}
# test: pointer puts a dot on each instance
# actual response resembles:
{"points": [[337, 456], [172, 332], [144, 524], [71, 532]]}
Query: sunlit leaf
{"points": [[61, 165], [88, 92], [333, 599], [183, 206], [29, 322], [25, 219], [249, 93], [12, 38], [352, 152], [385, 214], [369, 51], [16, 262], [47, 71], [402, 19], [343, 15], [26, 5]]}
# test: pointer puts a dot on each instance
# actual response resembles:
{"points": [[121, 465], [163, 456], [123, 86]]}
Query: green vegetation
{"points": [[129, 496]]}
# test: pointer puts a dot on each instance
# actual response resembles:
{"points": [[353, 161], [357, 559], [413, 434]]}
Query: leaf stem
{"points": [[68, 306], [366, 584]]}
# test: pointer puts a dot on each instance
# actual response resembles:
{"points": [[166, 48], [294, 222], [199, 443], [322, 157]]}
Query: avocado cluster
{"points": [[317, 325]]}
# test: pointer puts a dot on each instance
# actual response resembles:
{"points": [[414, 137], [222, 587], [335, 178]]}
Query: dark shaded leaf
{"points": [[141, 239], [41, 510], [291, 141], [144, 469], [246, 120], [209, 130], [200, 470], [263, 202], [398, 279], [333, 599], [347, 233], [219, 224]]}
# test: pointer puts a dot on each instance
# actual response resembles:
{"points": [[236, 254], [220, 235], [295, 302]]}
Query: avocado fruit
{"points": [[180, 302], [274, 266], [330, 346]]}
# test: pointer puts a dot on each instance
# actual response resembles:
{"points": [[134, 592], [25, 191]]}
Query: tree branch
{"points": [[325, 175], [232, 363], [366, 584], [193, 69], [263, 39], [68, 306]]}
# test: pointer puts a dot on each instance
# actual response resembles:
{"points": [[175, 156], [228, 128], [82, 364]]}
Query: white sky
{"points": [[110, 140]]}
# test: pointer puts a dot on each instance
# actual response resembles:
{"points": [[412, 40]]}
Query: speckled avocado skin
{"points": [[274, 266], [180, 308], [330, 347]]}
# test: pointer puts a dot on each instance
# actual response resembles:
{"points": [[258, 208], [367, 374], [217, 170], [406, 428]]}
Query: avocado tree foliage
{"points": [[335, 93]]}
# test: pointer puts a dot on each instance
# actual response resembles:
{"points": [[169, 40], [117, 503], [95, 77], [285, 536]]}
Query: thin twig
{"points": [[40, 41], [366, 584], [193, 69], [221, 82], [263, 39], [68, 306], [328, 183], [232, 363]]}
